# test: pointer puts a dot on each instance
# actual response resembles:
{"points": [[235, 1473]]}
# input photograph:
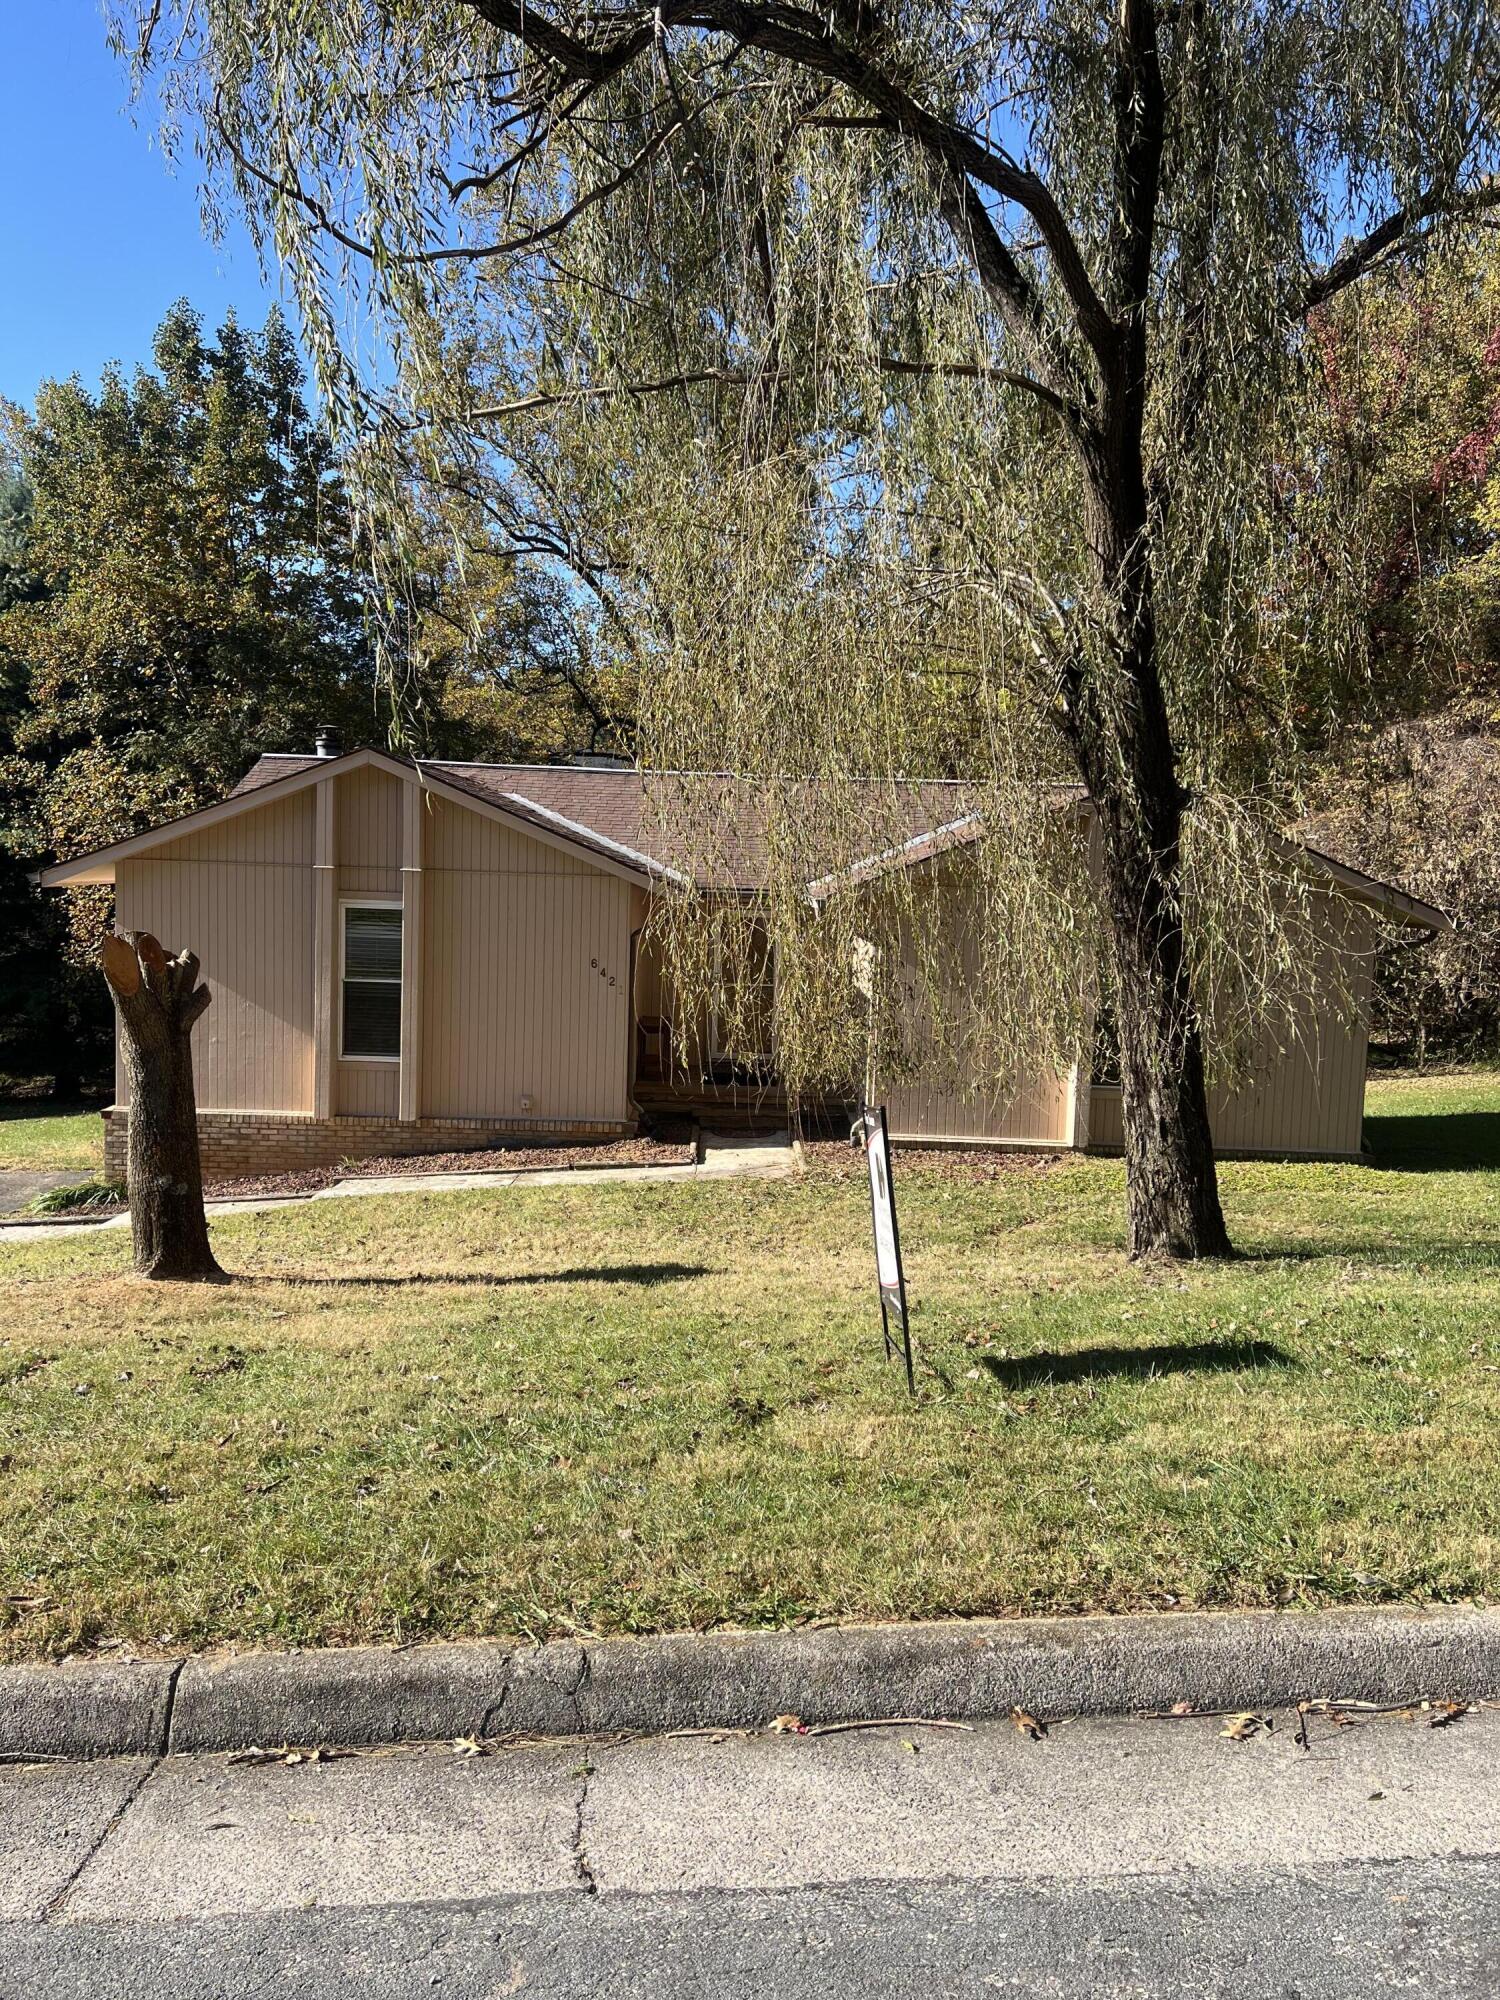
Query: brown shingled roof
{"points": [[631, 818], [642, 811]]}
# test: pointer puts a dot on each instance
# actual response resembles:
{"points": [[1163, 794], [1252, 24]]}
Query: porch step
{"points": [[727, 1107], [747, 1111], [760, 1153]]}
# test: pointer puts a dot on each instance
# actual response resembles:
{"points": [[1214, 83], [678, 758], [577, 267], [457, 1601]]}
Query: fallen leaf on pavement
{"points": [[1240, 1728], [282, 1755], [1441, 1713]]}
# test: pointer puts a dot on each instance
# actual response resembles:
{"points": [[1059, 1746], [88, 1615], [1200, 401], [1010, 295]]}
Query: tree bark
{"points": [[157, 1000], [1122, 741], [1171, 1183]]}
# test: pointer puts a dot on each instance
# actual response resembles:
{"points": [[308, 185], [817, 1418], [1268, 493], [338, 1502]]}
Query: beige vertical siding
{"points": [[526, 976], [1105, 1129], [368, 1089], [1036, 1112], [1306, 1093], [240, 894], [1035, 1109], [367, 833]]}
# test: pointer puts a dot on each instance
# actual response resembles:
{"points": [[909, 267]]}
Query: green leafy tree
{"points": [[51, 1021], [199, 600]]}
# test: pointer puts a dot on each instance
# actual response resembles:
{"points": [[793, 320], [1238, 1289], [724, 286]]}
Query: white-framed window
{"points": [[370, 980]]}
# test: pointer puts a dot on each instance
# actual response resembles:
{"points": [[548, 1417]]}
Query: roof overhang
{"points": [[1395, 904], [1385, 897], [520, 814], [911, 853]]}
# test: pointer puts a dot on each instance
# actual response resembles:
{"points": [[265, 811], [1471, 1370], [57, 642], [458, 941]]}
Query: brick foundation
{"points": [[242, 1143]]}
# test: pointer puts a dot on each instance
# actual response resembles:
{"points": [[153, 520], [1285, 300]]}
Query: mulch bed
{"points": [[840, 1161], [660, 1151]]}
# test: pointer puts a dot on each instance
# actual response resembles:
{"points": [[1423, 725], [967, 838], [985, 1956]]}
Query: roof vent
{"points": [[329, 742], [601, 760]]}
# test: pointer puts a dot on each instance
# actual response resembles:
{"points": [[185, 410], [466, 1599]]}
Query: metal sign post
{"points": [[892, 1279]]}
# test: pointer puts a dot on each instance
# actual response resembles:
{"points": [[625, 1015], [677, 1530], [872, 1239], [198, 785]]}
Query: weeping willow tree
{"points": [[914, 374]]}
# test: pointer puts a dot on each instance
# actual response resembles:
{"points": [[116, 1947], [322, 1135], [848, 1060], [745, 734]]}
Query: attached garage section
{"points": [[1305, 1096]]}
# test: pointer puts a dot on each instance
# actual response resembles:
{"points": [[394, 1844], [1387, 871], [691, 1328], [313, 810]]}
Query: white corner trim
{"points": [[587, 833]]}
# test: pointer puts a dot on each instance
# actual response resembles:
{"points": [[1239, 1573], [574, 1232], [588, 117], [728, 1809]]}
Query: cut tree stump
{"points": [[157, 1000]]}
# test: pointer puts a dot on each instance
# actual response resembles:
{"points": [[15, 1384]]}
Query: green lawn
{"points": [[35, 1133], [615, 1408]]}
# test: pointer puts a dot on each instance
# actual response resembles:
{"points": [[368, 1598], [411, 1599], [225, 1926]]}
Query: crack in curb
{"points": [[169, 1709], [585, 1669], [491, 1715], [492, 1721]]}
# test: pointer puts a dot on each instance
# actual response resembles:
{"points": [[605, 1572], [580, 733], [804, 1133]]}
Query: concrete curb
{"points": [[86, 1708], [968, 1670]]}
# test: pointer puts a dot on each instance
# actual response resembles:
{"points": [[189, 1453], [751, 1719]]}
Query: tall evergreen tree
{"points": [[198, 602], [177, 592]]}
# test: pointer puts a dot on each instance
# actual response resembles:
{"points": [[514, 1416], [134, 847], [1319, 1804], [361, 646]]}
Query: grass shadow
{"points": [[1093, 1364], [1439, 1142], [1416, 1253], [597, 1274], [15, 1109]]}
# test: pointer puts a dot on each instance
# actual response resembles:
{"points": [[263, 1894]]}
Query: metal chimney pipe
{"points": [[329, 742]]}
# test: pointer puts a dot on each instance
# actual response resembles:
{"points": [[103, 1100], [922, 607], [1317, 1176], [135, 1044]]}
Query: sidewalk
{"points": [[540, 1839], [762, 1156]]}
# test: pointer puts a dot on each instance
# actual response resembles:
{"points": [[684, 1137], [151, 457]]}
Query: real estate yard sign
{"points": [[888, 1271]]}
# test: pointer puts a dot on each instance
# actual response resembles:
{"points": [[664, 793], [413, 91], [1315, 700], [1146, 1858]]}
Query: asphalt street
{"points": [[1110, 1858]]}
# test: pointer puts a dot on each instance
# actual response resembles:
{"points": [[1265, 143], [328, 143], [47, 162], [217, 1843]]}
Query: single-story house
{"points": [[412, 957]]}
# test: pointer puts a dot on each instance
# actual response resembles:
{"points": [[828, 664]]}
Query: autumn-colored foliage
{"points": [[1406, 432]]}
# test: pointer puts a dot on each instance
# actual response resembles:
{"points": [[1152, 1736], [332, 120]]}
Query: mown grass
{"points": [[618, 1408], [38, 1134]]}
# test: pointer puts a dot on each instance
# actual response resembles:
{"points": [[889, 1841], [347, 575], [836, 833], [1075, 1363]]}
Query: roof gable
{"points": [[283, 777]]}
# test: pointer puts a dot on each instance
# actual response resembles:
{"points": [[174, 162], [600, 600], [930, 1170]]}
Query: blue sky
{"points": [[96, 237]]}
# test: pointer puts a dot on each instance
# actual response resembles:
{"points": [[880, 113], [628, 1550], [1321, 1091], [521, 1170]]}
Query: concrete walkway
{"points": [[763, 1156], [1110, 1858]]}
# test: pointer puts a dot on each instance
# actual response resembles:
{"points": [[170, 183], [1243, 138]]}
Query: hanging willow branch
{"points": [[918, 383]]}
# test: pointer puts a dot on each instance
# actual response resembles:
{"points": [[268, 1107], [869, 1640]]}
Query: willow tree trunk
{"points": [[1122, 739], [157, 1000], [1172, 1189]]}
